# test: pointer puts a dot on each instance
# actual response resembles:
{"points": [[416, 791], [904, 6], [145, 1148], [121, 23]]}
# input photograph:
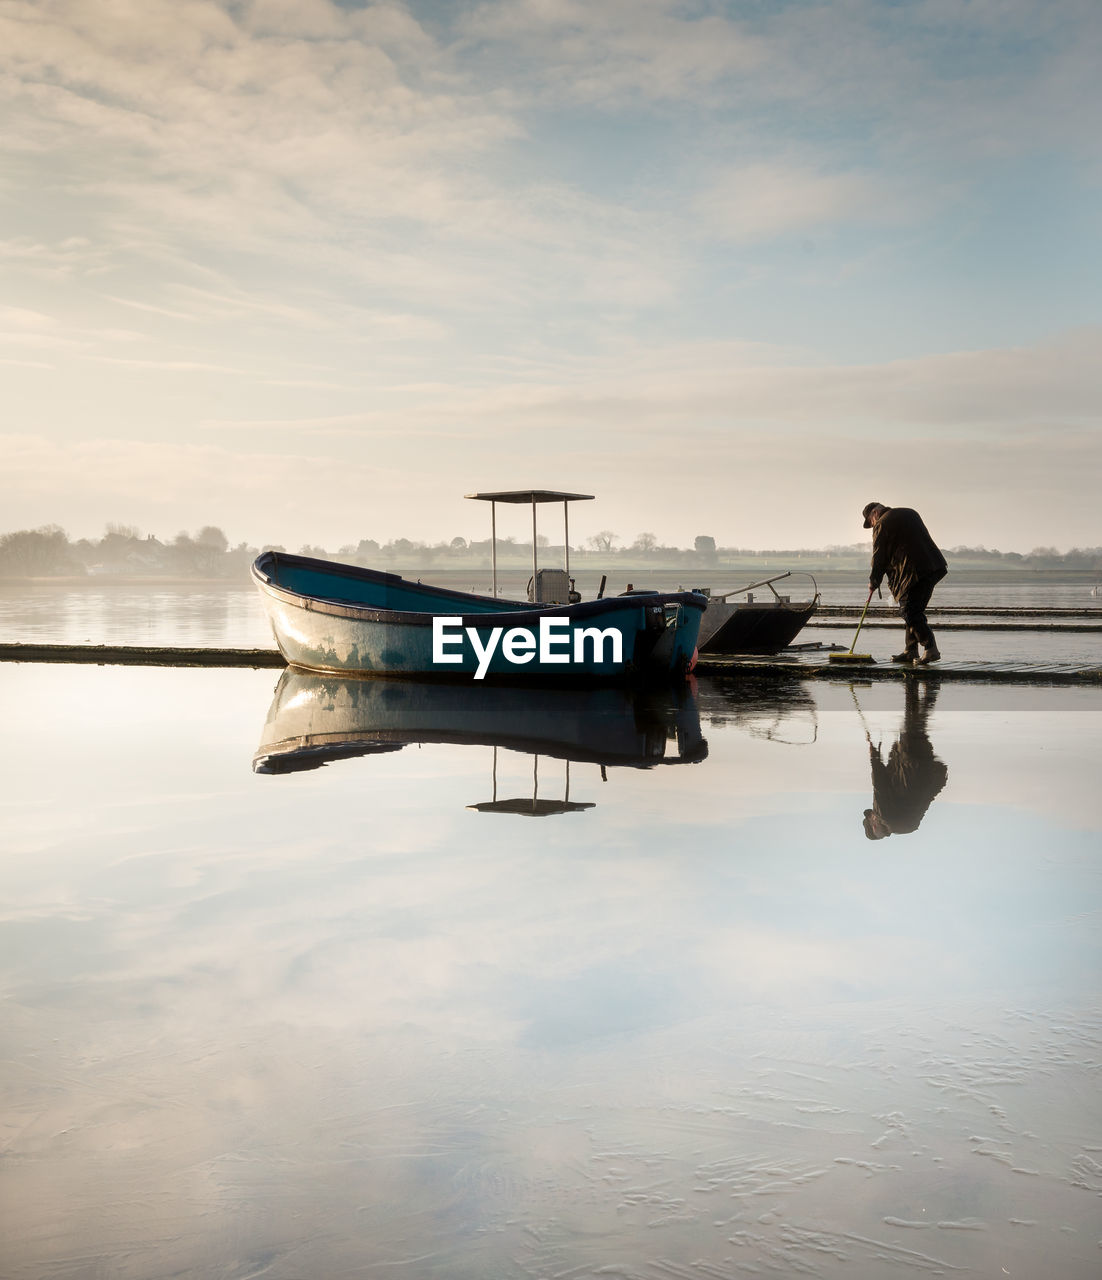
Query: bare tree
{"points": [[603, 541]]}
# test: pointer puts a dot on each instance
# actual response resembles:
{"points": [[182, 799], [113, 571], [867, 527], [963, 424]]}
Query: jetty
{"points": [[995, 612], [816, 665], [805, 664], [140, 655]]}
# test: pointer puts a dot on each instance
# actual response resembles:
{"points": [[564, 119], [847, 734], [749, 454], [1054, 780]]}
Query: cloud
{"points": [[723, 433], [767, 200], [621, 49], [340, 425], [950, 75], [349, 144], [24, 327], [25, 320], [708, 390], [149, 308], [174, 366], [199, 96], [73, 255]]}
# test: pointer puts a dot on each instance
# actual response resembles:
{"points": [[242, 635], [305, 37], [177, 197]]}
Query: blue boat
{"points": [[342, 618]]}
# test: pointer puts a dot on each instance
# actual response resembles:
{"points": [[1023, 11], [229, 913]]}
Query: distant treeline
{"points": [[48, 552], [125, 551]]}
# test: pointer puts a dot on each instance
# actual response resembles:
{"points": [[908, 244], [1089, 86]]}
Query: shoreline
{"points": [[613, 568]]}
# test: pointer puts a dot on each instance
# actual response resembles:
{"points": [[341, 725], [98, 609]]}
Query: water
{"points": [[332, 1020], [211, 616], [231, 616]]}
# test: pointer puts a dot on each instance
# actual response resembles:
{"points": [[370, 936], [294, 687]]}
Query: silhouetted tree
{"points": [[31, 553], [182, 554], [602, 541], [118, 543], [213, 537]]}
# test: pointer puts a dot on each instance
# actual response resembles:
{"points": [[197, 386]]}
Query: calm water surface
{"points": [[310, 977], [231, 615]]}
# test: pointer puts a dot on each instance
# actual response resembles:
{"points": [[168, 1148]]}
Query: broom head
{"points": [[851, 657]]}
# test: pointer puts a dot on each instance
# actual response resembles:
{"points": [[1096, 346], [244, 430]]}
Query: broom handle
{"points": [[861, 623]]}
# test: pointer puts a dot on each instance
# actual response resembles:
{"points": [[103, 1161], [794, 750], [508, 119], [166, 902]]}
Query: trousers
{"points": [[913, 609]]}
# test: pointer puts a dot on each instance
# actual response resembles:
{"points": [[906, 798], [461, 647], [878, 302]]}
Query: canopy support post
{"points": [[533, 548], [493, 543]]}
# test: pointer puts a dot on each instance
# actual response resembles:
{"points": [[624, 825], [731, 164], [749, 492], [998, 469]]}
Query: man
{"points": [[903, 550]]}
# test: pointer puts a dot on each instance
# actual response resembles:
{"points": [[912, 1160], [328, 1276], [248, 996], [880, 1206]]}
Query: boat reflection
{"points": [[315, 719], [778, 710], [535, 805]]}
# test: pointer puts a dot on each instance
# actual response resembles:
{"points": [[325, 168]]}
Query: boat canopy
{"points": [[530, 495], [534, 497]]}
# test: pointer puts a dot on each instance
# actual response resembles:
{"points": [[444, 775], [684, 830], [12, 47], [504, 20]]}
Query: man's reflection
{"points": [[904, 787]]}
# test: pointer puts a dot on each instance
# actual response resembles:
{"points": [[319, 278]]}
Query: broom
{"points": [[851, 656]]}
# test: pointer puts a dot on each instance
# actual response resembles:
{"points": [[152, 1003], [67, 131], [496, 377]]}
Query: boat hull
{"points": [[752, 628], [339, 618]]}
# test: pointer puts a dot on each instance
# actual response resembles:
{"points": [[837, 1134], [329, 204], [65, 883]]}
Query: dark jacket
{"points": [[903, 549]]}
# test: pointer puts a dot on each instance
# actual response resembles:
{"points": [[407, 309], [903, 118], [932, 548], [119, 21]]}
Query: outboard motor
{"points": [[654, 626], [550, 586]]}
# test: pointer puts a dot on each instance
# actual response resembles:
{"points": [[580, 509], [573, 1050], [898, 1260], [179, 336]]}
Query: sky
{"points": [[312, 271]]}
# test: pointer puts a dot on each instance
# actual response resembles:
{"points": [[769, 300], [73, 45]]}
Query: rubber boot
{"points": [[931, 654], [908, 655]]}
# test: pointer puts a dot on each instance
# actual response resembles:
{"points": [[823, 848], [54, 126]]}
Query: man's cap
{"points": [[870, 506]]}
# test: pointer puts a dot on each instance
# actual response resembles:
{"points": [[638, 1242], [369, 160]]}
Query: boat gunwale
{"points": [[356, 572], [514, 616], [776, 606], [525, 744]]}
